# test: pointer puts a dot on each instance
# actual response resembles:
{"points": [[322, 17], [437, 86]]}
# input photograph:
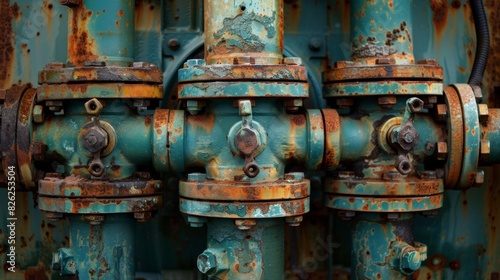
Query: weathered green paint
{"points": [[257, 253], [382, 88], [381, 204], [243, 89]]}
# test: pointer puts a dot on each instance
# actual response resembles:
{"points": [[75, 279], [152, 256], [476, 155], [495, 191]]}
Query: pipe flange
{"points": [[384, 204], [455, 138]]}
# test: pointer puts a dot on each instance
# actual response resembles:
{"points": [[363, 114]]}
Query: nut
{"points": [[294, 176], [245, 224], [244, 60], [343, 64], [94, 219], [292, 61], [441, 150], [194, 107], [195, 221], [428, 61], [441, 112], [245, 107], [385, 61], [93, 107], [478, 93], [206, 263], [53, 216], [479, 179], [484, 149], [38, 114], [294, 221], [195, 62], [387, 101], [95, 139], [197, 177], [483, 113], [174, 44]]}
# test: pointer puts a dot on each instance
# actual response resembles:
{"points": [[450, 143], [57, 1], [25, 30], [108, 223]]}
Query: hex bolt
{"points": [[343, 64], [142, 217], [416, 105], [478, 93], [245, 224], [408, 137], [483, 113], [94, 219], [95, 139], [315, 44], [427, 61], [403, 165], [479, 179], [197, 177], [441, 112], [294, 221], [344, 103], [245, 107], [410, 261], [244, 60], [195, 221], [294, 176], [484, 149], [93, 107], [385, 61], [194, 107], [292, 61], [174, 44], [441, 150], [38, 114], [195, 62], [206, 263], [53, 216], [293, 105], [387, 102]]}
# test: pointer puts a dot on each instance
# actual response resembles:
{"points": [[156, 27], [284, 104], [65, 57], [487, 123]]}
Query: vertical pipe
{"points": [[375, 244], [105, 250], [257, 253], [381, 28], [235, 29], [101, 31]]}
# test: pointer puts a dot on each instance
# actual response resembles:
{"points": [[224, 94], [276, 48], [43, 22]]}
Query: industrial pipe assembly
{"points": [[96, 143]]}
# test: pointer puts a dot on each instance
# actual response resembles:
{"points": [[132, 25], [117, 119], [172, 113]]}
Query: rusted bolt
{"points": [[427, 175], [428, 61], [244, 224], [174, 44], [403, 165], [206, 263], [54, 105], [344, 103], [416, 105], [94, 219], [195, 221], [245, 107], [93, 106], [96, 168], [244, 60], [441, 112], [97, 63], [53, 216], [54, 65], [387, 101], [441, 150], [294, 221], [455, 265], [483, 113], [142, 217], [484, 149], [197, 177], [95, 139], [346, 215], [70, 3], [294, 176], [408, 137], [293, 105], [195, 62], [38, 151], [292, 61], [38, 114], [391, 176], [479, 179], [410, 261], [385, 61], [343, 64], [478, 93], [315, 44], [194, 107]]}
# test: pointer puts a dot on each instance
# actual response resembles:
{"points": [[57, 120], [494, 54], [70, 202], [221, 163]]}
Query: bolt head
{"points": [[195, 62], [95, 139], [484, 148], [245, 224], [206, 262], [479, 178], [94, 219], [292, 61], [93, 106], [294, 221], [441, 112], [387, 101], [174, 44], [411, 261], [247, 140], [442, 150], [245, 107], [197, 177], [38, 114], [483, 113], [294, 176]]}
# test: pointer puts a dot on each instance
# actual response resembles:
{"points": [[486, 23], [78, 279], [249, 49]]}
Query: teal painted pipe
{"points": [[100, 250], [102, 31], [130, 150], [257, 253], [235, 29], [382, 248], [381, 28]]}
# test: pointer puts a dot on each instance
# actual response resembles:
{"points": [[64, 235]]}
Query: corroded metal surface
{"points": [[105, 90], [24, 139], [381, 204], [455, 138], [332, 138], [230, 190], [384, 87], [350, 71], [236, 29]]}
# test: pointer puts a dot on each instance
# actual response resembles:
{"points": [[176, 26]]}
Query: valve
{"points": [[95, 138], [247, 139]]}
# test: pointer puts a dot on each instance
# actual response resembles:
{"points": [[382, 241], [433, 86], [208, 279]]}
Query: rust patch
{"points": [[81, 47], [6, 44], [439, 15]]}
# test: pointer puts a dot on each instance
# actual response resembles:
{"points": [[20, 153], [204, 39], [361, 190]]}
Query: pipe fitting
{"points": [[212, 262]]}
